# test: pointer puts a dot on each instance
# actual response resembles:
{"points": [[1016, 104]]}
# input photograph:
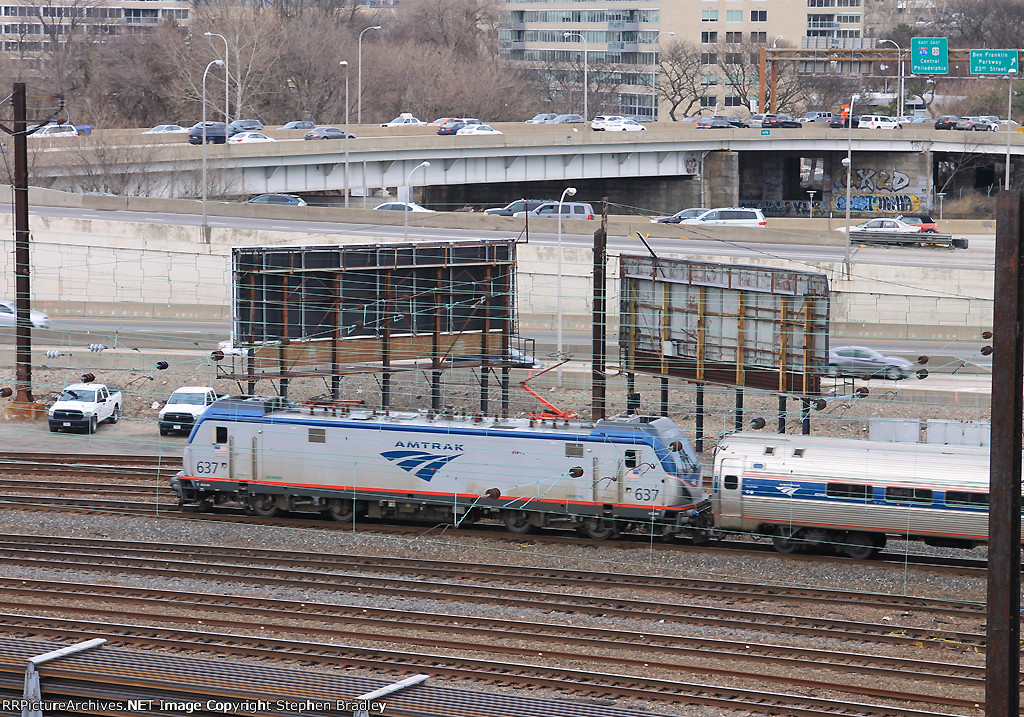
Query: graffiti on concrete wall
{"points": [[872, 181], [887, 203]]}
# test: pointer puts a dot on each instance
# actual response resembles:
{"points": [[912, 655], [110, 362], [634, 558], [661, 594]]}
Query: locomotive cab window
{"points": [[895, 494], [848, 490], [966, 500], [632, 459], [220, 434]]}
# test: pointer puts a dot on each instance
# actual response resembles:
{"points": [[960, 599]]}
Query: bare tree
{"points": [[681, 65], [740, 65], [466, 27]]}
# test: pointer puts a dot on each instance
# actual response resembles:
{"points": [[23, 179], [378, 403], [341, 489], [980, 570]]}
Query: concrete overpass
{"points": [[662, 169]]}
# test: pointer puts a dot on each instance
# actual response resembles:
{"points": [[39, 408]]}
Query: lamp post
{"points": [[654, 76], [570, 191], [206, 228], [586, 67], [344, 64], [1009, 123], [899, 53], [227, 77], [408, 197], [848, 163], [810, 207], [940, 195], [359, 73]]}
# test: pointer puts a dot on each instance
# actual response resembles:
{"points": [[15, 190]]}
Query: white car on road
{"points": [[477, 129], [404, 120], [166, 129], [623, 125], [247, 137], [888, 224], [9, 316], [401, 207]]}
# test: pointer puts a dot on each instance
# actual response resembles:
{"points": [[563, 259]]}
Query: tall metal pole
{"points": [[206, 226], [408, 197], [899, 85], [344, 64], [571, 191], [359, 73], [22, 284], [599, 334], [849, 176], [1009, 124], [1002, 646], [227, 77]]}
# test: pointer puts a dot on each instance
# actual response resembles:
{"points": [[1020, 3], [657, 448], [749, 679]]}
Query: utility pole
{"points": [[22, 258]]}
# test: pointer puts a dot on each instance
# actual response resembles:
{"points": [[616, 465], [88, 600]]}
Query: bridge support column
{"points": [[722, 179]]}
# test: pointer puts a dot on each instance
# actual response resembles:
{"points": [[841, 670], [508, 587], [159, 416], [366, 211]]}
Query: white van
{"points": [[56, 130], [879, 122], [730, 217], [570, 210]]}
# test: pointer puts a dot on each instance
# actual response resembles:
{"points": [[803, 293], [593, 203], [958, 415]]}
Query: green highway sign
{"points": [[993, 62], [766, 131], [929, 55]]}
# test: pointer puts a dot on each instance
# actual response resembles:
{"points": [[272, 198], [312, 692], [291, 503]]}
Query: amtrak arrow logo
{"points": [[420, 464], [789, 490]]}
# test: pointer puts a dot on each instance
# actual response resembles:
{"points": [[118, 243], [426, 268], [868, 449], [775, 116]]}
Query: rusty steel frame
{"points": [[794, 370]]}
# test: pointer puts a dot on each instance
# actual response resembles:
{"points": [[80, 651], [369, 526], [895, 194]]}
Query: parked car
{"points": [[56, 130], [405, 119], [183, 407], [728, 216], [215, 133], [247, 137], [756, 119], [477, 129], [624, 125], [542, 118], [878, 122], [838, 122], [85, 406], [401, 207], [244, 125], [166, 129], [327, 133], [679, 216], [816, 116], [779, 122], [924, 221], [298, 124], [570, 210], [9, 316], [599, 122], [519, 205], [284, 199], [946, 122], [860, 360], [567, 119], [883, 224]]}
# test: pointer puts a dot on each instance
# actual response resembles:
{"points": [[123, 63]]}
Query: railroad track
{"points": [[530, 675], [160, 500]]}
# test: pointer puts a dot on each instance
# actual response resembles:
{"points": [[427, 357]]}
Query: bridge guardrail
{"points": [[902, 239]]}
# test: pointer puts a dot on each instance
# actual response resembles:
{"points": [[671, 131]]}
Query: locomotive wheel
{"points": [[598, 529], [860, 546], [787, 541], [264, 506], [517, 521], [340, 510]]}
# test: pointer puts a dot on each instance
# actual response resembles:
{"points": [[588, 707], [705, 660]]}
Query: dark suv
{"points": [[214, 133], [244, 125]]}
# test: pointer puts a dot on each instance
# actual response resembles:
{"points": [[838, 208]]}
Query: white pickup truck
{"points": [[183, 408], [84, 405]]}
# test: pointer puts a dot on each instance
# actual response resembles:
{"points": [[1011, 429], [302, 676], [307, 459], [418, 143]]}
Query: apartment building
{"points": [[627, 34], [29, 27]]}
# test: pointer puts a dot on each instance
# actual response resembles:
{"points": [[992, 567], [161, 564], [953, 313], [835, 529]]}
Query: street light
{"points": [[777, 38], [206, 228], [586, 85], [810, 207], [227, 77], [570, 191], [408, 196], [654, 75], [344, 64], [359, 74], [899, 53], [848, 163], [1009, 123], [940, 195]]}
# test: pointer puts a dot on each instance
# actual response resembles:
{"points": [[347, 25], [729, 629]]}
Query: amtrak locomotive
{"points": [[850, 494], [601, 478]]}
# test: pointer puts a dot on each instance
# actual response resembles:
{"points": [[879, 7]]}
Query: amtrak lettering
{"points": [[430, 446]]}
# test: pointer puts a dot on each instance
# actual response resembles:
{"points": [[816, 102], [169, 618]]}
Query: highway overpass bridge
{"points": [[663, 169]]}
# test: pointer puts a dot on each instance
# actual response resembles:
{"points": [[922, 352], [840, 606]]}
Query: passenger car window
{"points": [[967, 500], [896, 494], [731, 482], [848, 490]]}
